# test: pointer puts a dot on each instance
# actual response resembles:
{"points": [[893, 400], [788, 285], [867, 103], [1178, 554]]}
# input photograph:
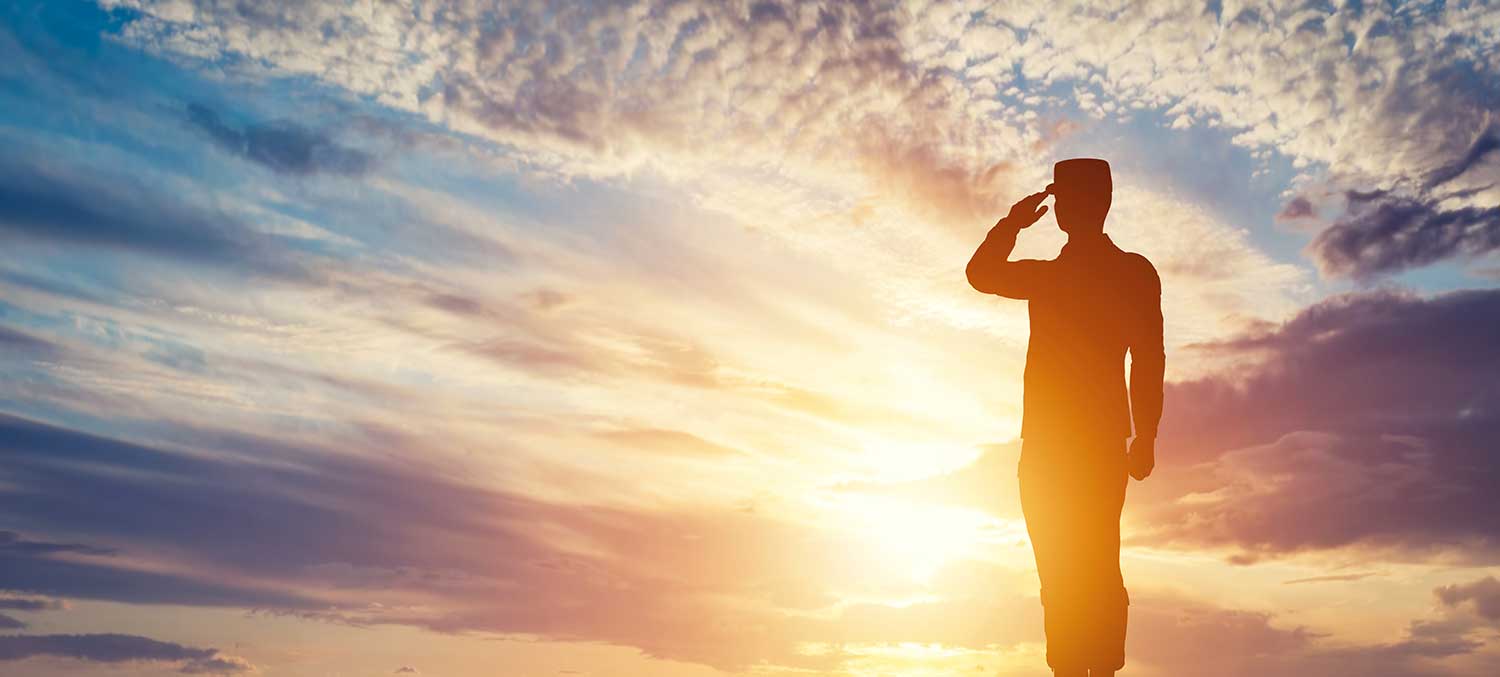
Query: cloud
{"points": [[117, 648], [47, 201], [1384, 233], [1171, 635], [1329, 578], [846, 102], [24, 342], [34, 452], [1311, 491], [218, 664], [284, 147], [9, 623], [1297, 208], [366, 539], [30, 604], [1487, 143], [324, 536], [1432, 354], [1483, 594], [1366, 99], [12, 542], [356, 538], [1365, 420], [673, 442], [121, 582], [936, 105], [591, 92]]}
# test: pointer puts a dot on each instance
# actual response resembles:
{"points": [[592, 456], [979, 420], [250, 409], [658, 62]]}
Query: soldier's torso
{"points": [[1081, 325]]}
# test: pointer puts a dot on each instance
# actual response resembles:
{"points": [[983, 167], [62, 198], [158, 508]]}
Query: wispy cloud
{"points": [[282, 146], [45, 200], [30, 604], [117, 648]]}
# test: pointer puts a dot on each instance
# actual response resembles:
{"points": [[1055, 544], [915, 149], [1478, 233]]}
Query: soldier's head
{"points": [[1081, 190]]}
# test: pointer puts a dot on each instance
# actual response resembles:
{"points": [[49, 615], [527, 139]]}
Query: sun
{"points": [[912, 538]]}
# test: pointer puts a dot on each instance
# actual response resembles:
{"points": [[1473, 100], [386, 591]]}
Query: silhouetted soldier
{"points": [[1088, 307]]}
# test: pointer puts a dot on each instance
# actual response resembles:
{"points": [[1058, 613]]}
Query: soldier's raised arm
{"points": [[991, 270]]}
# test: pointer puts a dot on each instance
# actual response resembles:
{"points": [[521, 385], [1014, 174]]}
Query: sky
{"points": [[632, 338]]}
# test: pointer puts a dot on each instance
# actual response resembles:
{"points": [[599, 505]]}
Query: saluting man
{"points": [[1088, 307]]}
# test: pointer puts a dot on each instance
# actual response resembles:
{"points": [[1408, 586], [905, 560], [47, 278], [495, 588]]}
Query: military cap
{"points": [[1081, 176]]}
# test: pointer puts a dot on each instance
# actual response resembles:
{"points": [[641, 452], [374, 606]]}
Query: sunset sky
{"points": [[462, 339]]}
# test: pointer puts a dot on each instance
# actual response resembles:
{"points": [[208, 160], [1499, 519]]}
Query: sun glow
{"points": [[911, 538]]}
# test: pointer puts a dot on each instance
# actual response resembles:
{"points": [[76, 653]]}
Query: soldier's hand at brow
{"points": [[1142, 457], [1025, 212]]}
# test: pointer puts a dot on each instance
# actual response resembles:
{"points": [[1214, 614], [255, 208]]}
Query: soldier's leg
{"points": [[1053, 523], [1100, 559]]}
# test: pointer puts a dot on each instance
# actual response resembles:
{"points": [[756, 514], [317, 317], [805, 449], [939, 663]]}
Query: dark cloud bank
{"points": [[1369, 420], [116, 648]]}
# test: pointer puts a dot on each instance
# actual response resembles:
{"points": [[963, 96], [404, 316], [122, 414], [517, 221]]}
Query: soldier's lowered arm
{"points": [[1147, 358]]}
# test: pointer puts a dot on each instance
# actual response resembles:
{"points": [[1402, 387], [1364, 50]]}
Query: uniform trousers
{"points": [[1072, 492]]}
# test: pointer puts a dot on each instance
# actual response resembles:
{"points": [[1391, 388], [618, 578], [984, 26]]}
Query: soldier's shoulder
{"points": [[1139, 262], [1141, 270]]}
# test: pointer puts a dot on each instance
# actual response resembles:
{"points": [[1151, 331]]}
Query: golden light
{"points": [[911, 538]]}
